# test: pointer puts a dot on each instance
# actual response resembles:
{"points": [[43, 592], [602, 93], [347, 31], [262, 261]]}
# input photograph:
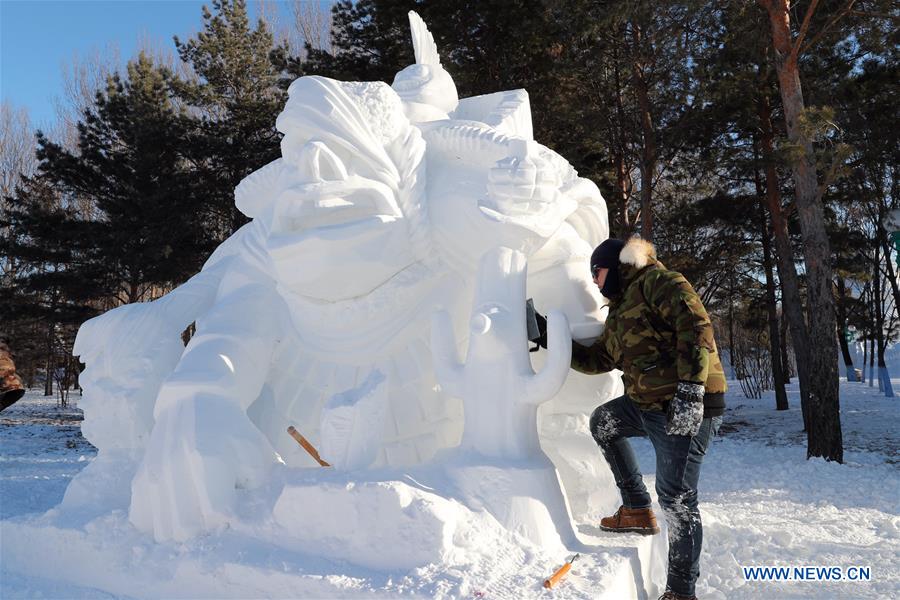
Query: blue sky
{"points": [[38, 36]]}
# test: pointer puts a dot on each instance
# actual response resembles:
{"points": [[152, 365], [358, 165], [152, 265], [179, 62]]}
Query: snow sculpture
{"points": [[498, 386], [352, 423], [427, 90], [501, 394], [317, 313], [129, 351]]}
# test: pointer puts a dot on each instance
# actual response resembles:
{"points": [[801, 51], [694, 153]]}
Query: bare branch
{"points": [[312, 25], [83, 77], [17, 148], [874, 15], [804, 27], [837, 17]]}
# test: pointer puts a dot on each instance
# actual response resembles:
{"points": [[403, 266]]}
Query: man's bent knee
{"points": [[680, 506], [605, 427]]}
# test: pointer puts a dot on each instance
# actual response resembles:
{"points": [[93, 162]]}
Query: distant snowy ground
{"points": [[41, 449], [763, 504]]}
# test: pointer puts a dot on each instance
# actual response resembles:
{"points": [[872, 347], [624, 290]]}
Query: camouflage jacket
{"points": [[657, 333]]}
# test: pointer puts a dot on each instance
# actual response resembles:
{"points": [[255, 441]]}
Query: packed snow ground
{"points": [[41, 449], [763, 504]]}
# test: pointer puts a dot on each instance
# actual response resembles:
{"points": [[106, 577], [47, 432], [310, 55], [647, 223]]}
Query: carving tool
{"points": [[306, 446], [560, 573]]}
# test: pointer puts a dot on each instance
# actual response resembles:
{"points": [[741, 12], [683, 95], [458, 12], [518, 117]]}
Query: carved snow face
{"points": [[339, 236], [337, 231]]}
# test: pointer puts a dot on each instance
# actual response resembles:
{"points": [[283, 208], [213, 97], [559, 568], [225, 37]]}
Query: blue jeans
{"points": [[678, 460]]}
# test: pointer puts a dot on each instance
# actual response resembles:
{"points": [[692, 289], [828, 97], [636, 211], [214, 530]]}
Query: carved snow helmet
{"points": [[427, 90]]}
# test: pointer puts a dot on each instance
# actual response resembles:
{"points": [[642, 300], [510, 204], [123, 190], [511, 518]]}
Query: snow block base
{"points": [[525, 497], [109, 557], [451, 529], [408, 526]]}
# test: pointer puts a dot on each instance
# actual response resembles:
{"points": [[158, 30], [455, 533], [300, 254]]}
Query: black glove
{"points": [[685, 413]]}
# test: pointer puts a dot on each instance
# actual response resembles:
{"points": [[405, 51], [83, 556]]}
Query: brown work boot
{"points": [[632, 520]]}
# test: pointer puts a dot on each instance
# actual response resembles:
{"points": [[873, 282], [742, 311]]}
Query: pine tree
{"points": [[866, 196], [370, 41], [807, 126], [54, 288], [738, 138], [234, 102], [129, 162]]}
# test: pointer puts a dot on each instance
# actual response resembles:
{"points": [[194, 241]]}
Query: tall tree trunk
{"points": [[872, 361], [648, 165], [781, 401], [842, 328], [624, 228], [735, 369], [824, 432], [785, 361], [865, 345], [892, 275], [877, 312], [884, 380], [648, 152], [873, 325], [623, 179], [48, 372], [134, 294], [791, 303]]}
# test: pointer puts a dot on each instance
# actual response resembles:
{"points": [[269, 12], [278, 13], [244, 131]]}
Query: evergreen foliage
{"points": [[232, 105], [370, 40], [128, 164]]}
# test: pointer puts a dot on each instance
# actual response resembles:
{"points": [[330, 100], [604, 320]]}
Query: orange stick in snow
{"points": [[560, 573], [306, 446]]}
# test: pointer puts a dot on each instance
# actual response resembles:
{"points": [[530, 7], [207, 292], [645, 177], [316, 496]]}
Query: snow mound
{"points": [[410, 527], [428, 515]]}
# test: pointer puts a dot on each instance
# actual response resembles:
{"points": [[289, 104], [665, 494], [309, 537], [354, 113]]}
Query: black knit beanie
{"points": [[606, 256]]}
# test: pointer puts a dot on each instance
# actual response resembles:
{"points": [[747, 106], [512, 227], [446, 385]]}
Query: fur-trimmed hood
{"points": [[635, 256], [638, 253]]}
